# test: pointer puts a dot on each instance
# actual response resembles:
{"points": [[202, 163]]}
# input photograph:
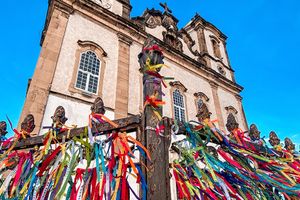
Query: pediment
{"points": [[231, 109], [201, 95], [178, 85], [168, 31]]}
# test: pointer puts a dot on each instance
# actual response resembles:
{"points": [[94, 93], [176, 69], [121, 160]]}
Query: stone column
{"points": [[121, 104], [214, 87], [244, 120], [39, 88]]}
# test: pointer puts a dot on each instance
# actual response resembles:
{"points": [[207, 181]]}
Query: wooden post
{"points": [[157, 176]]}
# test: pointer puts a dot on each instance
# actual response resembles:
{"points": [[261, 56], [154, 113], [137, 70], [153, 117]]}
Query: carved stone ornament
{"points": [[153, 21], [231, 123], [203, 113], [254, 133], [104, 3], [28, 124], [171, 38], [178, 85], [59, 116], [221, 70], [98, 106], [289, 145], [189, 41], [3, 128], [170, 23], [273, 139]]}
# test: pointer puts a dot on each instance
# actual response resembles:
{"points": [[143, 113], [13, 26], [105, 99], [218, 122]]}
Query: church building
{"points": [[90, 48]]}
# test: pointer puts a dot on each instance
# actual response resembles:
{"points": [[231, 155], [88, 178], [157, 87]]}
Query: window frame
{"points": [[83, 47], [216, 48], [181, 109], [177, 85], [89, 74]]}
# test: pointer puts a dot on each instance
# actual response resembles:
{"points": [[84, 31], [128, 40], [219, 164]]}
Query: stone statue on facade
{"points": [[59, 117], [98, 106], [27, 126], [203, 113], [254, 133], [289, 145], [231, 123], [273, 139]]}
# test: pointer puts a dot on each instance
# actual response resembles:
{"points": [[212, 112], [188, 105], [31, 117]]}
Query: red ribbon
{"points": [[47, 161]]}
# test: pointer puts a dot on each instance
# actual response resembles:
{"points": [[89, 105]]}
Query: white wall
{"points": [[80, 28], [193, 82], [214, 64], [76, 112], [228, 99]]}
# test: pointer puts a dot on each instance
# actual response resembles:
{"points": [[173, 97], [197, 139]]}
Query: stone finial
{"points": [[98, 106], [59, 116], [27, 125], [254, 133], [289, 145], [273, 139], [3, 128], [203, 113], [231, 123]]}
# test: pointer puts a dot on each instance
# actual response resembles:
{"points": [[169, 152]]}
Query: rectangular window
{"points": [[178, 103]]}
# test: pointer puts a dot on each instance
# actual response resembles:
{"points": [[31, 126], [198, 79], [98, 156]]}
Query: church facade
{"points": [[90, 48]]}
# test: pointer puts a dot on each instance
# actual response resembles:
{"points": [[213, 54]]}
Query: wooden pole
{"points": [[157, 176]]}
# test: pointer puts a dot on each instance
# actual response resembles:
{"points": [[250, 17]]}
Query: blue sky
{"points": [[263, 45]]}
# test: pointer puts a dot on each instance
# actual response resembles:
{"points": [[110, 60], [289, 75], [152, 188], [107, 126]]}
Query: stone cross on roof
{"points": [[165, 7]]}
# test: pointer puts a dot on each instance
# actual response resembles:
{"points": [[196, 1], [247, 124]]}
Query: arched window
{"points": [[216, 48], [88, 72], [178, 103], [89, 68]]}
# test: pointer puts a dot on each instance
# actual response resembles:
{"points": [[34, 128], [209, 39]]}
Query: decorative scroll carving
{"points": [[231, 123], [203, 113], [254, 133], [98, 106], [178, 85], [273, 139], [153, 21], [231, 109], [170, 23], [201, 95], [59, 117], [289, 145], [27, 126], [171, 38], [189, 41], [3, 129]]}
